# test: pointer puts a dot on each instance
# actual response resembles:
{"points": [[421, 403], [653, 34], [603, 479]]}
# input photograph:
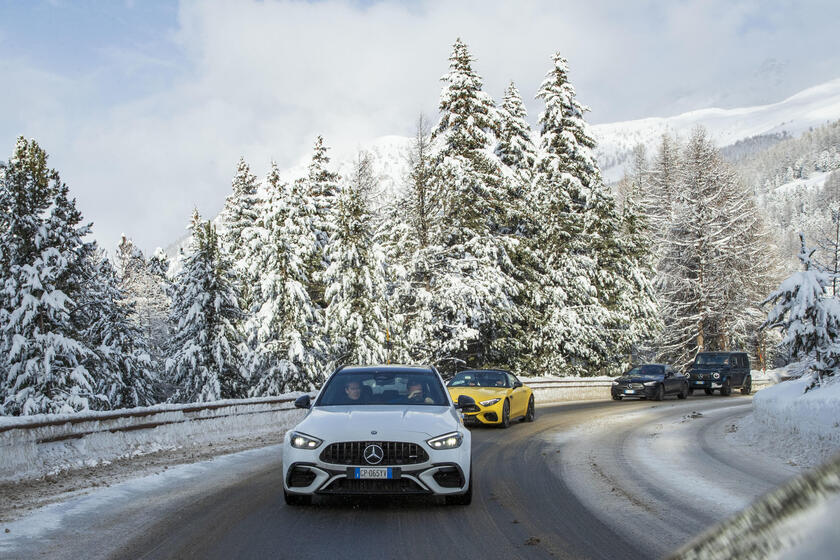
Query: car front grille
{"points": [[364, 486], [394, 453], [635, 386]]}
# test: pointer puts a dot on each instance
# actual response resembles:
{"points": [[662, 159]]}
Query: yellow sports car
{"points": [[499, 395]]}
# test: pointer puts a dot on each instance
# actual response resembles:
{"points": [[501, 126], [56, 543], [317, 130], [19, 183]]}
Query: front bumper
{"points": [[445, 473], [704, 384], [486, 414], [626, 391]]}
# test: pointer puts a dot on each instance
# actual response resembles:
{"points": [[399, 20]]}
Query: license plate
{"points": [[373, 472], [629, 392], [698, 382]]}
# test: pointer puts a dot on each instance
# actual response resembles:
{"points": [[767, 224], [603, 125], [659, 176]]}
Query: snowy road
{"points": [[586, 480]]}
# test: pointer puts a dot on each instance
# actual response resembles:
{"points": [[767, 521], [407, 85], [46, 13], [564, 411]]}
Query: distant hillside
{"points": [[807, 109]]}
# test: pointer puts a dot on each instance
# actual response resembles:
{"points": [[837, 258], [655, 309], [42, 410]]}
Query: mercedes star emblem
{"points": [[373, 454]]}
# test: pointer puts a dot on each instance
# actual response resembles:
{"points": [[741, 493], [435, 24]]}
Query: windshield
{"points": [[646, 370], [480, 379], [377, 387], [712, 360]]}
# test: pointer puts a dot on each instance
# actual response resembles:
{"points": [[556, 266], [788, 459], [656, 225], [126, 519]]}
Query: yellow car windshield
{"points": [[480, 379]]}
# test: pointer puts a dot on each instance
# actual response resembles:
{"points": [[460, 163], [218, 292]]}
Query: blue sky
{"points": [[145, 106]]}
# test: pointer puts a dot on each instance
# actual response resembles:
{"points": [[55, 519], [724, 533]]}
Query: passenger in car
{"points": [[416, 394], [353, 391]]}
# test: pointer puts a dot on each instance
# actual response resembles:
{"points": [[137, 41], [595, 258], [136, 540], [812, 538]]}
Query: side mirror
{"points": [[467, 404], [517, 384], [302, 401]]}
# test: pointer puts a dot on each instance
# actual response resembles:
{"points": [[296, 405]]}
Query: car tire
{"points": [[660, 393], [297, 499], [726, 390], [683, 393], [708, 391], [464, 499], [505, 423], [746, 388], [530, 414]]}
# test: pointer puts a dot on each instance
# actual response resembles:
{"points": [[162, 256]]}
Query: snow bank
{"points": [[38, 446], [801, 428]]}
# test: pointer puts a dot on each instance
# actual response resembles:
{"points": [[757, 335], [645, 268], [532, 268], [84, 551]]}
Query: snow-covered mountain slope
{"points": [[809, 108]]}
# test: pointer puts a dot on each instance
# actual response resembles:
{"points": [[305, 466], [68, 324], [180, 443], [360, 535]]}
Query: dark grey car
{"points": [[650, 381], [720, 371]]}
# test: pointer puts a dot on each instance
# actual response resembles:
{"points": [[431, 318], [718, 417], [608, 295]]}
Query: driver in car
{"points": [[416, 394], [353, 391]]}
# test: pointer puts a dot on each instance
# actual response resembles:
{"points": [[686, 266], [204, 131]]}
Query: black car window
{"points": [[712, 360], [359, 388], [647, 369]]}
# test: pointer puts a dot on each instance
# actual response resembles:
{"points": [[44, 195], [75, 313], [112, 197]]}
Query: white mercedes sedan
{"points": [[380, 430]]}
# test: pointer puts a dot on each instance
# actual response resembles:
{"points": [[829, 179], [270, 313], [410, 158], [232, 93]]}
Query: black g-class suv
{"points": [[720, 371]]}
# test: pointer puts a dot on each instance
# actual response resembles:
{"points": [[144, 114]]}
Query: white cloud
{"points": [[261, 79]]}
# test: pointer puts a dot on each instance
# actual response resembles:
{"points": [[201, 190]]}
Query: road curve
{"points": [[528, 503]]}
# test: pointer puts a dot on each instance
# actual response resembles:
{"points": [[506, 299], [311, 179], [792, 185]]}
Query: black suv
{"points": [[722, 371]]}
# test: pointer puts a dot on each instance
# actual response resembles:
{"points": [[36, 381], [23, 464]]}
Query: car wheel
{"points": [[529, 415], [684, 393], [726, 390], [746, 388], [660, 393], [464, 499], [297, 499], [708, 391], [505, 415]]}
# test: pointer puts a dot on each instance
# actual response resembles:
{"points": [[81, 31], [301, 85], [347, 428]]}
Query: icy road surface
{"points": [[586, 480]]}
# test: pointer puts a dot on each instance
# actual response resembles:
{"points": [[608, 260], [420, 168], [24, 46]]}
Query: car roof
{"points": [[483, 370], [386, 368]]}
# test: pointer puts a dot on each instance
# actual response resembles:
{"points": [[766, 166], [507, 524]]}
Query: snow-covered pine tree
{"points": [[125, 374], [515, 147], [289, 350], [205, 361], [240, 218], [322, 193], [355, 285], [715, 261], [144, 290], [808, 317], [44, 356], [595, 280], [471, 294]]}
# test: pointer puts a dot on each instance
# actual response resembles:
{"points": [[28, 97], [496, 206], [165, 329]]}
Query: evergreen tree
{"points": [[808, 317], [205, 361], [470, 294], [240, 217], [322, 193], [125, 368], [45, 359], [290, 350], [355, 315], [515, 148]]}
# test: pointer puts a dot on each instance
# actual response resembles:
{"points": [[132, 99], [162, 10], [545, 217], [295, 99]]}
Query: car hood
{"points": [[707, 369], [355, 423], [639, 378], [478, 393]]}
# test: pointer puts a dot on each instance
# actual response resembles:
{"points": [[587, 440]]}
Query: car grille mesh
{"points": [[395, 453]]}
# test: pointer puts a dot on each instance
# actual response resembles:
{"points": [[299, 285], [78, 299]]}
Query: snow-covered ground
{"points": [[795, 426]]}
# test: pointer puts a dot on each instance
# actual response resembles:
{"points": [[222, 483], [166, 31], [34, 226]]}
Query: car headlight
{"points": [[615, 382], [303, 441], [446, 441], [490, 402], [716, 375], [651, 383]]}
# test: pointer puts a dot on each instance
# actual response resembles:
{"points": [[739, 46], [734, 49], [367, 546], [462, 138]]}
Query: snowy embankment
{"points": [[788, 422], [33, 447]]}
